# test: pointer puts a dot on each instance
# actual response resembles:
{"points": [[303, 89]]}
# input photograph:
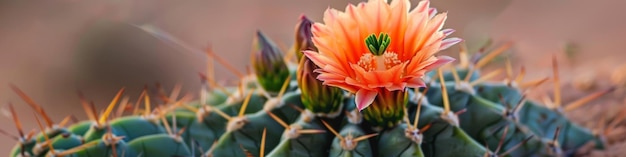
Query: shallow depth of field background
{"points": [[51, 49]]}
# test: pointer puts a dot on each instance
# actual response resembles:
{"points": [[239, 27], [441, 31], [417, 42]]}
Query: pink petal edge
{"points": [[441, 60], [364, 98]]}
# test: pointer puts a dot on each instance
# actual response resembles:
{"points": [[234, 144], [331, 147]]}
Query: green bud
{"points": [[316, 97], [387, 110], [304, 36], [269, 66]]}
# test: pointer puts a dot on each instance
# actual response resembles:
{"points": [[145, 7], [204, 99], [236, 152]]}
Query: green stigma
{"points": [[377, 46]]}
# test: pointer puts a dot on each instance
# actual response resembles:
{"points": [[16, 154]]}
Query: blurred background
{"points": [[51, 49]]}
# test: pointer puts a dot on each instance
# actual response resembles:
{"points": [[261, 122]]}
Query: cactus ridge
{"points": [[460, 112]]}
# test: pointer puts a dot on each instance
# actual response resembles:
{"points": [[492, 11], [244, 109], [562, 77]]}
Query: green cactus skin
{"points": [[396, 143], [160, 145], [482, 124], [221, 126], [102, 149], [362, 149], [304, 144], [80, 128], [538, 118]]}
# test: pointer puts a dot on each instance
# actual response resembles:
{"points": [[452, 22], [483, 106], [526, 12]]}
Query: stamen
{"points": [[367, 62], [383, 62]]}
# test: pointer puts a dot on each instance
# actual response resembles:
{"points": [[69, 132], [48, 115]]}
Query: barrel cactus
{"points": [[366, 82]]}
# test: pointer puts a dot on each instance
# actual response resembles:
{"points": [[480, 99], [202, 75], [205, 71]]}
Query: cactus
{"points": [[286, 111]]}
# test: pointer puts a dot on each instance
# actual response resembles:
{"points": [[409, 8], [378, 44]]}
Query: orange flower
{"points": [[376, 46]]}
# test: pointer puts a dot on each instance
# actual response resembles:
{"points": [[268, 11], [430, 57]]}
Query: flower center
{"points": [[383, 62], [379, 58]]}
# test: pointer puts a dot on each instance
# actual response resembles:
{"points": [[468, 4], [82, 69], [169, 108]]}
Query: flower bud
{"points": [[304, 36], [388, 107], [269, 66], [316, 97]]}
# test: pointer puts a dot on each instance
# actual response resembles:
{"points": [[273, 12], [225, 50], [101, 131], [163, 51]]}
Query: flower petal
{"points": [[441, 60], [447, 43], [416, 82], [364, 98], [432, 12], [448, 31]]}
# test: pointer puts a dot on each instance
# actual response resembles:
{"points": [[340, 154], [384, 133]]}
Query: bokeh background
{"points": [[51, 49]]}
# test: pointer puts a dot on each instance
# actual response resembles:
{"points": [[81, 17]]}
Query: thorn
{"points": [[423, 129], [486, 77], [278, 120], [113, 141], [365, 137], [224, 115], [455, 74], [210, 68], [240, 87], [504, 103], [444, 91], [492, 55], [548, 102], [520, 104], [213, 84], [506, 130], [197, 145], [16, 121], [143, 94], [123, 104], [619, 118], [483, 61], [33, 105], [283, 89], [104, 116], [517, 146], [534, 83], [242, 110], [209, 153], [332, 130], [146, 102], [209, 51], [76, 149], [175, 92], [509, 69], [463, 56], [582, 101], [557, 82], [300, 110], [419, 107], [460, 111], [180, 132], [94, 112], [161, 93], [167, 125], [5, 133], [43, 132], [601, 128], [65, 121], [521, 75], [262, 149], [86, 107], [312, 131], [556, 134], [174, 125]]}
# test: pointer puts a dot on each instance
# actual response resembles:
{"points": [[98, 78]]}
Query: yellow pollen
{"points": [[383, 62]]}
